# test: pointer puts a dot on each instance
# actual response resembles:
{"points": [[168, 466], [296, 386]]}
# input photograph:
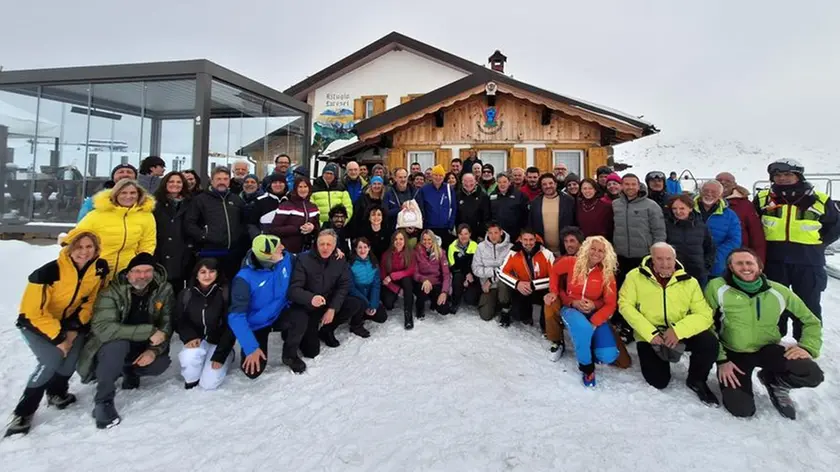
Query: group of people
{"points": [[607, 259]]}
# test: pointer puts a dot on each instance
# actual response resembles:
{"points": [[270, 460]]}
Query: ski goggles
{"points": [[783, 167], [656, 175]]}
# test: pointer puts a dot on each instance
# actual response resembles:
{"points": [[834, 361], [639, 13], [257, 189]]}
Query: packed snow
{"points": [[453, 394]]}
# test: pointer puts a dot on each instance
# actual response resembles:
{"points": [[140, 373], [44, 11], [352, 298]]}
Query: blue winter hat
{"points": [[377, 179], [251, 176], [330, 168]]}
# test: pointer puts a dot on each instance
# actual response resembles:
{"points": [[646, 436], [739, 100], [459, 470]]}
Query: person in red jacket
{"points": [[397, 271], [296, 221], [526, 270], [738, 198], [594, 214], [589, 299], [532, 188]]}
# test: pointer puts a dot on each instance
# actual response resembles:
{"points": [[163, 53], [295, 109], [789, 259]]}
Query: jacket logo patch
{"points": [[284, 272], [100, 272], [261, 283], [158, 305]]}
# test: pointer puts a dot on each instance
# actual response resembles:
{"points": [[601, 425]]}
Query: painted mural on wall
{"points": [[335, 121]]}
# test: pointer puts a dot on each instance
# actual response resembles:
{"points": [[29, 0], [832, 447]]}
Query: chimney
{"points": [[497, 61]]}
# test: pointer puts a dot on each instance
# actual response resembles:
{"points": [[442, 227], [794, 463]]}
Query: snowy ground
{"points": [[454, 394]]}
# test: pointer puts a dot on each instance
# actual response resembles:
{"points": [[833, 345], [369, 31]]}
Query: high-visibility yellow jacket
{"points": [[789, 223]]}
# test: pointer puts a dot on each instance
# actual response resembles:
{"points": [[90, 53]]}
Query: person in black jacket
{"points": [[338, 223], [319, 287], [508, 206], [376, 232], [373, 196], [202, 312], [459, 255], [690, 237], [174, 250], [215, 222], [554, 207], [473, 207], [266, 205]]}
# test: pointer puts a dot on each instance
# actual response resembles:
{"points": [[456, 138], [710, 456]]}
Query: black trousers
{"points": [[468, 295], [797, 373], [806, 281], [389, 298], [292, 325], [352, 311], [431, 297], [116, 357], [657, 372], [379, 316], [522, 306]]}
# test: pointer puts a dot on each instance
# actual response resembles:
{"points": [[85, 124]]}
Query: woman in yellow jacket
{"points": [[123, 219], [57, 306]]}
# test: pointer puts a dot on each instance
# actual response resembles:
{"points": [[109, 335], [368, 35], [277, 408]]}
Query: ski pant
{"points": [[625, 265], [421, 297], [797, 373], [114, 358], [52, 375], [197, 366], [522, 306], [389, 298], [494, 301], [468, 295], [807, 281], [379, 316], [352, 311], [589, 340], [554, 322], [657, 372], [292, 325]]}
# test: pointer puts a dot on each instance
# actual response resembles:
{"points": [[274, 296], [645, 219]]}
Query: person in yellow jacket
{"points": [[669, 315], [57, 305], [123, 219]]}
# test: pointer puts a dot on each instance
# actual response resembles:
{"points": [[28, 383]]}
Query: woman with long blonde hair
{"points": [[586, 289], [432, 279]]}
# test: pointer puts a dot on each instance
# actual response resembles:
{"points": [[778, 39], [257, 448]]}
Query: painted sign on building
{"points": [[335, 121]]}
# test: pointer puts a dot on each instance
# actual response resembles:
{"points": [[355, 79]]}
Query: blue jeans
{"points": [[589, 340]]}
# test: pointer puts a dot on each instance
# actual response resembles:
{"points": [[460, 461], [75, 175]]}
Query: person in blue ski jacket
{"points": [[366, 280], [723, 224], [673, 185], [438, 203], [258, 306]]}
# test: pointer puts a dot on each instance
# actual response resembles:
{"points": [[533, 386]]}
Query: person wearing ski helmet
{"points": [[799, 222]]}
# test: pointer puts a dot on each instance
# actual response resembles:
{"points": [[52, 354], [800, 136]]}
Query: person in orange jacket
{"points": [[585, 287], [526, 270]]}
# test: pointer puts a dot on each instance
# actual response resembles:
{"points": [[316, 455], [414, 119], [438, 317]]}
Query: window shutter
{"points": [[404, 99], [464, 154], [358, 109], [379, 104], [396, 158], [542, 159], [443, 157], [595, 158], [517, 158]]}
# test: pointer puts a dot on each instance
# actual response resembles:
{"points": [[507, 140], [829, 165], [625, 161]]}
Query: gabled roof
{"points": [[481, 77], [373, 50]]}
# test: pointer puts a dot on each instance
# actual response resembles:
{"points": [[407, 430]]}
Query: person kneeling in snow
{"points": [[202, 312], [486, 262], [526, 270], [661, 284], [258, 307], [583, 291], [366, 284], [319, 288], [432, 279], [749, 337], [130, 332]]}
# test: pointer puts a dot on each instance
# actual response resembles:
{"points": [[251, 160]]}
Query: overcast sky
{"points": [[756, 70]]}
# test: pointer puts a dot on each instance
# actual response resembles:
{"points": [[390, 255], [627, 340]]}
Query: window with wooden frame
{"points": [[426, 159], [573, 159], [409, 97], [368, 106], [498, 159]]}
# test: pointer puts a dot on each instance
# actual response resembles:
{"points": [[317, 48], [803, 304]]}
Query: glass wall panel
{"points": [[18, 147], [170, 106]]}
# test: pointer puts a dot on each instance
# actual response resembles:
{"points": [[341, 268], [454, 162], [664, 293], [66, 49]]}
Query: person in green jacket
{"points": [[328, 192], [748, 307], [130, 332], [666, 309]]}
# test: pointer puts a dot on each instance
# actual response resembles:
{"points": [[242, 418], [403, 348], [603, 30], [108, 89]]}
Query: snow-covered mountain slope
{"points": [[706, 157], [453, 394]]}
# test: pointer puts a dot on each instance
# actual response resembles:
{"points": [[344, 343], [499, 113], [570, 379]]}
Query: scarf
{"points": [[748, 287]]}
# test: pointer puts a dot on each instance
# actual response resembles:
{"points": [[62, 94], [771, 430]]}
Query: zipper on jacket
{"points": [[665, 303], [758, 308], [227, 220], [627, 225], [204, 319], [125, 238], [790, 212]]}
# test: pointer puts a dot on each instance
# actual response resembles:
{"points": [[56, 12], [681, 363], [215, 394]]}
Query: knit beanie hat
{"points": [[144, 258], [438, 170], [331, 168], [264, 246], [603, 170], [377, 179], [251, 176], [488, 167], [277, 177], [123, 166], [613, 177], [572, 177]]}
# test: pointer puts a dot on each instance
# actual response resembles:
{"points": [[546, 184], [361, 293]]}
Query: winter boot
{"points": [[556, 351], [589, 379], [328, 336], [360, 331], [704, 393], [190, 385], [295, 363], [504, 320], [409, 319], [779, 393], [421, 311], [131, 380], [106, 415], [57, 395], [20, 424], [29, 401], [61, 401]]}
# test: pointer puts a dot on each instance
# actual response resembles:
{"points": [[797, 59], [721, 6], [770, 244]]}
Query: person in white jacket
{"points": [[486, 262]]}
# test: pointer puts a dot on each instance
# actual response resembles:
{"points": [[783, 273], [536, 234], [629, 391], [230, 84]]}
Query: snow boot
{"points": [[190, 385], [704, 393], [295, 363], [328, 336], [360, 331], [61, 401], [556, 351], [106, 415], [131, 380], [409, 319], [589, 379], [421, 311], [779, 393], [20, 424], [504, 319], [29, 401], [57, 395]]}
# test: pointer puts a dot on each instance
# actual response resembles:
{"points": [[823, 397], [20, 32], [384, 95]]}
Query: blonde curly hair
{"points": [[609, 264]]}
